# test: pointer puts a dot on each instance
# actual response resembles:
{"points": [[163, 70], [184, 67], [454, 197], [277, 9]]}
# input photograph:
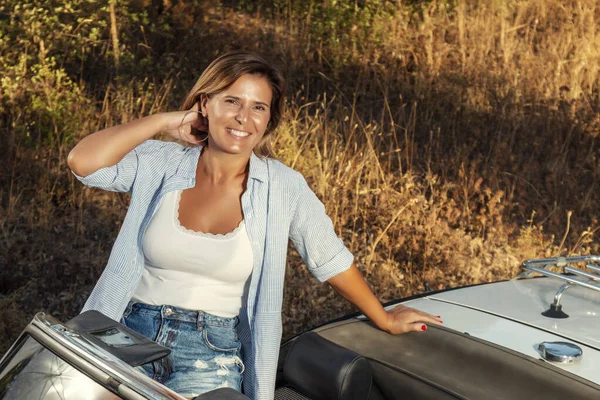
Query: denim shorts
{"points": [[205, 350]]}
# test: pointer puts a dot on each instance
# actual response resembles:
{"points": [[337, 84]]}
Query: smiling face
{"points": [[238, 116]]}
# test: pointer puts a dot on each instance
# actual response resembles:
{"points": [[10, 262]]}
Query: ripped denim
{"points": [[205, 350]]}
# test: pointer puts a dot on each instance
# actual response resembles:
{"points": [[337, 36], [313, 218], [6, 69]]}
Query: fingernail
{"points": [[438, 316], [423, 327]]}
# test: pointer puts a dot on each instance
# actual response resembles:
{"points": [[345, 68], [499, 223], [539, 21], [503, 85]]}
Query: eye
{"points": [[231, 101], [260, 108]]}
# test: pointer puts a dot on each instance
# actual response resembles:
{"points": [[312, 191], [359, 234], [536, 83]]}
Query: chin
{"points": [[237, 150]]}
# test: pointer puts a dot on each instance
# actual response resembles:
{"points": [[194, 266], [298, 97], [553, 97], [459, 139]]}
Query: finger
{"points": [[420, 316], [414, 315], [398, 308], [416, 327], [190, 116], [201, 124], [402, 310], [185, 135], [430, 319], [190, 138]]}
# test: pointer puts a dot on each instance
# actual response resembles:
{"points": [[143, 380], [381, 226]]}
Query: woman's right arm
{"points": [[108, 146]]}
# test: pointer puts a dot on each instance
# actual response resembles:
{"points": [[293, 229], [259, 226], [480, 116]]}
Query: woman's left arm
{"points": [[352, 286]]}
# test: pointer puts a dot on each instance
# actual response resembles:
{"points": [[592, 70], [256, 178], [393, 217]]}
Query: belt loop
{"points": [[199, 320]]}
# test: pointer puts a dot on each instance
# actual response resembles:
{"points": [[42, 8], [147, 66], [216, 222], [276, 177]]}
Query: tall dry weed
{"points": [[449, 140]]}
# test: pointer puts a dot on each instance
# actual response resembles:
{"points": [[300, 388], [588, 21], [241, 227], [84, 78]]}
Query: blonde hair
{"points": [[224, 71]]}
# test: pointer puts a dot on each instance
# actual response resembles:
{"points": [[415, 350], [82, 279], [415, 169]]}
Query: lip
{"points": [[244, 135]]}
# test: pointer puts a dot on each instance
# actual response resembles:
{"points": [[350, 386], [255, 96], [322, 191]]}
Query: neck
{"points": [[221, 167]]}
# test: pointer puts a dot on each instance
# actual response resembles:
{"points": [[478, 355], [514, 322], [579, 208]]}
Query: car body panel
{"points": [[508, 333], [524, 300], [509, 314]]}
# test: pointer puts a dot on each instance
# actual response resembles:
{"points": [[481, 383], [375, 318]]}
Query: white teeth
{"points": [[237, 133]]}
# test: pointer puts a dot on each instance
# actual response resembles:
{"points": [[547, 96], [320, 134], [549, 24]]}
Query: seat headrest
{"points": [[323, 370]]}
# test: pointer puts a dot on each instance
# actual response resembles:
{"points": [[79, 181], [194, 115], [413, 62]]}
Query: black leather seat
{"points": [[318, 369]]}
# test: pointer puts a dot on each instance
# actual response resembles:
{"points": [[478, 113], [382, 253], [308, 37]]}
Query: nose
{"points": [[242, 115]]}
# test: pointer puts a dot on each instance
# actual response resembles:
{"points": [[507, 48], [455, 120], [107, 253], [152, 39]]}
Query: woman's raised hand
{"points": [[180, 124], [402, 319]]}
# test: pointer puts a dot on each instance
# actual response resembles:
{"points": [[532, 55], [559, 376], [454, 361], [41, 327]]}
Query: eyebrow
{"points": [[239, 98]]}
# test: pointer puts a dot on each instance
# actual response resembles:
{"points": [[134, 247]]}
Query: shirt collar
{"points": [[258, 166]]}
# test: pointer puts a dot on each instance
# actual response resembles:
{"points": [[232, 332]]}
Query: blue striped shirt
{"points": [[277, 205]]}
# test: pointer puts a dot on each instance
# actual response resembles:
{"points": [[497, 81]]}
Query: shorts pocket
{"points": [[221, 338], [127, 311], [145, 324]]}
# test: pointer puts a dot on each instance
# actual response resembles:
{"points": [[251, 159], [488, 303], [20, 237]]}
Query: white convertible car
{"points": [[527, 338]]}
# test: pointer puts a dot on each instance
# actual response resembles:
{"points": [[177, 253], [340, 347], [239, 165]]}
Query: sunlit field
{"points": [[448, 140]]}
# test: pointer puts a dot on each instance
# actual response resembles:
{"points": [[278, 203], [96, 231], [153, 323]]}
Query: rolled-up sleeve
{"points": [[121, 176], [315, 239]]}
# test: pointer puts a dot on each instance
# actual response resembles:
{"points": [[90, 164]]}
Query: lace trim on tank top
{"points": [[219, 236]]}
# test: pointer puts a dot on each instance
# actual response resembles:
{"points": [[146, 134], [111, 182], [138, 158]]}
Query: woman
{"points": [[203, 245]]}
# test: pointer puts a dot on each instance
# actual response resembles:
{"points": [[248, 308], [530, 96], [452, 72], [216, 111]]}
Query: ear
{"points": [[202, 103]]}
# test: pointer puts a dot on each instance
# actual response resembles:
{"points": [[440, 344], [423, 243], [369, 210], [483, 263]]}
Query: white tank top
{"points": [[193, 270]]}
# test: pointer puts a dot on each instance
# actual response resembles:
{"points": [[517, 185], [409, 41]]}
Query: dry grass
{"points": [[449, 140], [485, 130]]}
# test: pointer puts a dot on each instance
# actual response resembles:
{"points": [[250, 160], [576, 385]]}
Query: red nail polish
{"points": [[439, 316], [423, 327]]}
